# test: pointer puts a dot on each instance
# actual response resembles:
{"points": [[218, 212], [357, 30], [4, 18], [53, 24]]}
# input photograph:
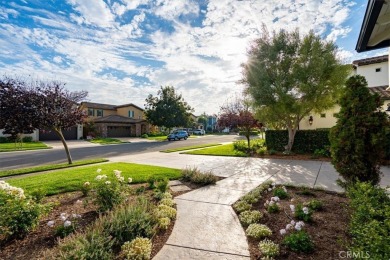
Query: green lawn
{"points": [[10, 147], [221, 150], [106, 141], [49, 167], [71, 179], [188, 148], [158, 138]]}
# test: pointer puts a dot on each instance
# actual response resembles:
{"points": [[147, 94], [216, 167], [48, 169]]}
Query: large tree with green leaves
{"points": [[167, 109], [358, 139], [289, 76]]}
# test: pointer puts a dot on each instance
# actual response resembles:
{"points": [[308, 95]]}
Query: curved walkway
{"points": [[206, 226]]}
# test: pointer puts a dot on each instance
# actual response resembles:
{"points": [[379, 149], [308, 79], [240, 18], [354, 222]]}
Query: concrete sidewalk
{"points": [[206, 226]]}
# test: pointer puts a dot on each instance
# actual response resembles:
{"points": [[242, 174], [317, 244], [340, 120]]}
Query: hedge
{"points": [[306, 141]]}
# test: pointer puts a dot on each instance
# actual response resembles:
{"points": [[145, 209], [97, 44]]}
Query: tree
{"points": [[39, 105], [288, 77], [168, 109], [237, 114], [359, 136], [202, 119]]}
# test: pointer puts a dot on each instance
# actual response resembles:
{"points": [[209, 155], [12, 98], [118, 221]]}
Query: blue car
{"points": [[177, 135]]}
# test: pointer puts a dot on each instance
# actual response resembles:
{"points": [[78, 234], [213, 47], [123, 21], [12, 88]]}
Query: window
{"points": [[139, 117], [131, 114], [91, 112], [378, 70], [323, 115], [99, 112]]}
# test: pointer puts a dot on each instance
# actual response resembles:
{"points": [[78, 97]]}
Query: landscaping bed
{"points": [[327, 230]]}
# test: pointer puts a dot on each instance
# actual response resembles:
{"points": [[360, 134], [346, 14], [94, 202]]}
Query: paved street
{"points": [[85, 150]]}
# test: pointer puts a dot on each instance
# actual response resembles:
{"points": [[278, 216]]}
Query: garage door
{"points": [[47, 135], [118, 131]]}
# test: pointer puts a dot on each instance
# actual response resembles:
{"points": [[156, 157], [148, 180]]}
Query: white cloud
{"points": [[94, 12], [172, 9], [57, 59]]}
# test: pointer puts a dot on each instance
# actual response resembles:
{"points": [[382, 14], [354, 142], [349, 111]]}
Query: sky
{"points": [[121, 51]]}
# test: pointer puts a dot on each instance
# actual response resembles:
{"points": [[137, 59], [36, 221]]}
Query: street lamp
{"points": [[310, 120]]}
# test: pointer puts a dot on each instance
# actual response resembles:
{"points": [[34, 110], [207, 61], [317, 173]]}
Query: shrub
{"points": [[144, 136], [253, 132], [108, 193], [162, 195], [162, 185], [271, 151], [273, 208], [27, 139], [258, 231], [369, 226], [303, 213], [314, 204], [242, 146], [130, 221], [305, 141], [241, 206], [187, 173], [357, 142], [299, 242], [151, 182], [3, 139], [85, 188], [268, 248], [250, 198], [38, 194], [195, 176], [164, 211], [164, 223], [281, 192], [250, 216], [137, 249], [324, 152], [167, 202], [18, 214], [87, 246], [65, 230]]}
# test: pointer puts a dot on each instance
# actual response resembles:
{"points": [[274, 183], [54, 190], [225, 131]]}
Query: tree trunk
{"points": [[59, 133], [291, 136], [248, 138]]}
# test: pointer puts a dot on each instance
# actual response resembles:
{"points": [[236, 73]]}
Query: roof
{"points": [[381, 91], [98, 105], [375, 31], [117, 119], [107, 106], [372, 60]]}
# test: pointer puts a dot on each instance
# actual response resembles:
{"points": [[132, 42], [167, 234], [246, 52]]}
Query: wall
{"points": [[124, 111], [34, 135], [320, 122], [373, 78]]}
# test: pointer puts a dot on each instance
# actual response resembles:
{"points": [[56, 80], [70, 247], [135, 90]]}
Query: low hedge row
{"points": [[306, 141]]}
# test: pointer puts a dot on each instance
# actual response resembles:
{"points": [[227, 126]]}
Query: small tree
{"points": [[168, 109], [358, 138], [289, 76], [237, 114]]}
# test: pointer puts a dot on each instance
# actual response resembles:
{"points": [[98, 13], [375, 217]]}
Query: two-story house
{"points": [[116, 121]]}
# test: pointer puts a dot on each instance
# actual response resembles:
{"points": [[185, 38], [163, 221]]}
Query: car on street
{"points": [[198, 132], [177, 135]]}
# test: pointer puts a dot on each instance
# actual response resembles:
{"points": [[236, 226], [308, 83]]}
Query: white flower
{"points": [[289, 226], [67, 223], [117, 172], [79, 201], [99, 170], [129, 180], [269, 189], [120, 178], [87, 183], [50, 223], [271, 202], [305, 210], [108, 182], [276, 198], [283, 231], [64, 216], [101, 177], [76, 216], [292, 222], [292, 207], [298, 227], [301, 223], [273, 184]]}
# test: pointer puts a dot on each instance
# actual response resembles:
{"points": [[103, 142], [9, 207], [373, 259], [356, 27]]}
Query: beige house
{"points": [[376, 72], [116, 121]]}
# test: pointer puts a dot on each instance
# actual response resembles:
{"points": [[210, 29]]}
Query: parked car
{"points": [[177, 135], [198, 132]]}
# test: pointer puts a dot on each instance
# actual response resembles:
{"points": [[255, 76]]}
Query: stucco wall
{"points": [[374, 78], [124, 111], [34, 135]]}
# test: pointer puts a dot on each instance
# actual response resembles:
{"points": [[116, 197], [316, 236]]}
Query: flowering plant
{"points": [[303, 213], [272, 205], [67, 226], [258, 231], [86, 188], [268, 248], [109, 192]]}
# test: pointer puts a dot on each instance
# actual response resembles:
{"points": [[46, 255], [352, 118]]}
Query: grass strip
{"points": [[50, 167], [221, 150], [188, 148], [104, 141], [11, 147], [72, 179]]}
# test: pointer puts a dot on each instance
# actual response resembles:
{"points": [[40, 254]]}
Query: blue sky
{"points": [[121, 51]]}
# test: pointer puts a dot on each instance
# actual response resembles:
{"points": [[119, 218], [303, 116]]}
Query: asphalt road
{"points": [[25, 159]]}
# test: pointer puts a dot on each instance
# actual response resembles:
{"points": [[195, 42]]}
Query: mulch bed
{"points": [[328, 231], [42, 238]]}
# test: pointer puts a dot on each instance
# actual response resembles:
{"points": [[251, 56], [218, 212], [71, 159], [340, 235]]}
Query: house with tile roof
{"points": [[116, 121]]}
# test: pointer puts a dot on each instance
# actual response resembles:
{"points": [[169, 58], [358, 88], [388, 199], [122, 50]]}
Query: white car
{"points": [[198, 132]]}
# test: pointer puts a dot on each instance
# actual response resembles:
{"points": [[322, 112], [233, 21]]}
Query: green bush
{"points": [[128, 222], [156, 134], [306, 141], [4, 139], [250, 216], [299, 242], [250, 198], [195, 176], [164, 223], [242, 145], [18, 214], [137, 249], [268, 248], [370, 221], [144, 136], [280, 192], [164, 211], [27, 139], [324, 152], [258, 231], [253, 132], [38, 194], [241, 206], [303, 213], [162, 185], [108, 193], [273, 208], [314, 204]]}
